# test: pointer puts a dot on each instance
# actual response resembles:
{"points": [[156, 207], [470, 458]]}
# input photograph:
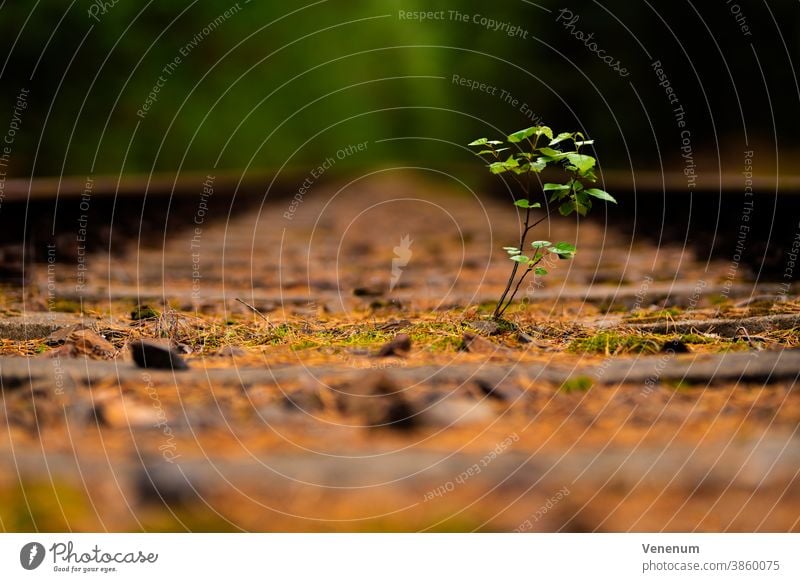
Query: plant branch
{"points": [[519, 283], [510, 282]]}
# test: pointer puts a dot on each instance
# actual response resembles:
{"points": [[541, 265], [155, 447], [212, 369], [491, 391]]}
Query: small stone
{"points": [[59, 336], [149, 354], [371, 291], [525, 338], [305, 399], [504, 392], [377, 402], [675, 346], [162, 482], [392, 303], [230, 352], [85, 342], [399, 346]]}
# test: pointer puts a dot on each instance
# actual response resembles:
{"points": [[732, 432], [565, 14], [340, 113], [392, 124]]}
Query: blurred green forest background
{"points": [[292, 83]]}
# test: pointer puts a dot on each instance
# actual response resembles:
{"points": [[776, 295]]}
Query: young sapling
{"points": [[523, 154]]}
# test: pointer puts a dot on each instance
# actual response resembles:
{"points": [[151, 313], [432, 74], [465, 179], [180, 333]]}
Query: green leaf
{"points": [[526, 204], [540, 244], [497, 151], [520, 258], [479, 142], [581, 162], [538, 165], [548, 187], [512, 250], [521, 169], [601, 194], [498, 168], [563, 250], [494, 142], [523, 134], [567, 208], [561, 137], [540, 271], [564, 247], [551, 153]]}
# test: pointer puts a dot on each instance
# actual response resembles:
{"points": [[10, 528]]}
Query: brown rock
{"points": [[369, 291], [399, 346], [59, 336], [377, 402], [504, 392], [85, 342], [150, 354], [307, 398]]}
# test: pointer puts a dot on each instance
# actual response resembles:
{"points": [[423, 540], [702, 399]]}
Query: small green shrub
{"points": [[528, 152]]}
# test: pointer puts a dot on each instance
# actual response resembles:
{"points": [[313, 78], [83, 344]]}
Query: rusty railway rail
{"points": [[716, 217]]}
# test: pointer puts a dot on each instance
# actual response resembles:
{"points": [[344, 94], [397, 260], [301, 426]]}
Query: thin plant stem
{"points": [[519, 283]]}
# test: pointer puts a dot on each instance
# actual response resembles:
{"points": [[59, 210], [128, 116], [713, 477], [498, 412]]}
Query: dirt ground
{"points": [[632, 388]]}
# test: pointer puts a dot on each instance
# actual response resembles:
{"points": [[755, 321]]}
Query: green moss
{"points": [[576, 384], [694, 338], [678, 385], [611, 307], [616, 342], [612, 342], [718, 299], [654, 316], [143, 312], [304, 345]]}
